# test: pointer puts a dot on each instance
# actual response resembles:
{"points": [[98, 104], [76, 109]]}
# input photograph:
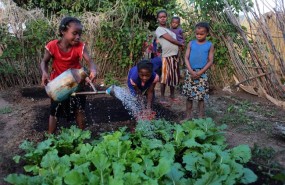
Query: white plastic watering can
{"points": [[65, 84]]}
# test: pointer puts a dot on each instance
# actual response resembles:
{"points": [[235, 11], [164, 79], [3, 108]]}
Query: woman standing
{"points": [[170, 63]]}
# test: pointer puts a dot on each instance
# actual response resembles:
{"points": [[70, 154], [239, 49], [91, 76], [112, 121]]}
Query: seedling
{"points": [[5, 110]]}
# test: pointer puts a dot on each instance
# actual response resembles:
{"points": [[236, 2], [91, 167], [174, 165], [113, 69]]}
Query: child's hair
{"points": [[203, 25], [176, 18], [145, 64], [161, 11], [65, 22]]}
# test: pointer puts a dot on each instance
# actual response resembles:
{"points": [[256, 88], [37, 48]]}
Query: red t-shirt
{"points": [[64, 60]]}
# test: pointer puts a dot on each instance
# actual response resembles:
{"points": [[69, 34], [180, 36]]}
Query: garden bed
{"points": [[250, 120]]}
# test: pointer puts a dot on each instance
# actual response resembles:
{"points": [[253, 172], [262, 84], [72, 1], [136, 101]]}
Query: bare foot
{"points": [[164, 102]]}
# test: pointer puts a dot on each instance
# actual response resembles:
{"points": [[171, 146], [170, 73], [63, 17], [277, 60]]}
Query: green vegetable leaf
{"points": [[132, 179], [73, 178], [168, 152], [32, 168], [241, 153], [191, 142], [209, 158], [45, 145], [210, 178], [16, 179], [17, 158], [50, 160], [57, 181], [101, 162], [178, 134], [191, 160], [27, 146], [248, 176], [175, 173], [163, 167], [118, 169]]}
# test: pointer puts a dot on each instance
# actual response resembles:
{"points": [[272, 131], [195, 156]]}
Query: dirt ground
{"points": [[251, 120]]}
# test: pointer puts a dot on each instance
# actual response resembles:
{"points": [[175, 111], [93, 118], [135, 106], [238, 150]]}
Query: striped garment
{"points": [[170, 70]]}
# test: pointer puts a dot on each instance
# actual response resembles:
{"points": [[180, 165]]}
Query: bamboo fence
{"points": [[262, 71]]}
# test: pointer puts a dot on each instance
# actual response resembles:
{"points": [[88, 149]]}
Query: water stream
{"points": [[131, 103]]}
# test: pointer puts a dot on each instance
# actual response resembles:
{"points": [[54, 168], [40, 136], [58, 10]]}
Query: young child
{"points": [[66, 53], [175, 27], [142, 80], [198, 59], [148, 48], [170, 64]]}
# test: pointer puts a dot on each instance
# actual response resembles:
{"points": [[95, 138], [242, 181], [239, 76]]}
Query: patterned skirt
{"points": [[196, 89], [170, 70]]}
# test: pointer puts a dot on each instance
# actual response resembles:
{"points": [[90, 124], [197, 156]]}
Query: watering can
{"points": [[65, 84]]}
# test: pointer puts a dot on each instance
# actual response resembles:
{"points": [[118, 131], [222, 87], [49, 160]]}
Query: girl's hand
{"points": [[45, 79], [194, 74], [92, 75], [199, 73]]}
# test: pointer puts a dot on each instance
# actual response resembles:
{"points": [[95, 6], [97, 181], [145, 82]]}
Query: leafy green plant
{"points": [[109, 79], [159, 152], [147, 9], [5, 110], [21, 53]]}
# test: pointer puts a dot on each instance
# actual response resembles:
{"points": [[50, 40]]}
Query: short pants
{"points": [[68, 107]]}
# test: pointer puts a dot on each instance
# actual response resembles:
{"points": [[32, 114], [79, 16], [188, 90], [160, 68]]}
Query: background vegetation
{"points": [[116, 29], [114, 32]]}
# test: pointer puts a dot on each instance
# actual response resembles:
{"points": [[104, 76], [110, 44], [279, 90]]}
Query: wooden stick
{"points": [[253, 77]]}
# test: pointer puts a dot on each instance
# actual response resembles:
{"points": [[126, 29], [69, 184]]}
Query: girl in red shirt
{"points": [[66, 53]]}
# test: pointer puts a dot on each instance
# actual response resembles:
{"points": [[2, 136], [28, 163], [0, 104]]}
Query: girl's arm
{"points": [[150, 92], [138, 91], [90, 63], [44, 68], [187, 61], [210, 61], [171, 39]]}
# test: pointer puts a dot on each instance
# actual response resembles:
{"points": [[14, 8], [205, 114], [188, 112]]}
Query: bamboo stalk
{"points": [[251, 78]]}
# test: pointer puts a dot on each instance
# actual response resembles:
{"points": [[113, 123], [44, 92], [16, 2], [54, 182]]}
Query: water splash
{"points": [[131, 103]]}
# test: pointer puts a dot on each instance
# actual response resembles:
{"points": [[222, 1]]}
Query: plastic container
{"points": [[65, 84]]}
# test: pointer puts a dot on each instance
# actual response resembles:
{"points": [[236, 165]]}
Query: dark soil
{"points": [[263, 175]]}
